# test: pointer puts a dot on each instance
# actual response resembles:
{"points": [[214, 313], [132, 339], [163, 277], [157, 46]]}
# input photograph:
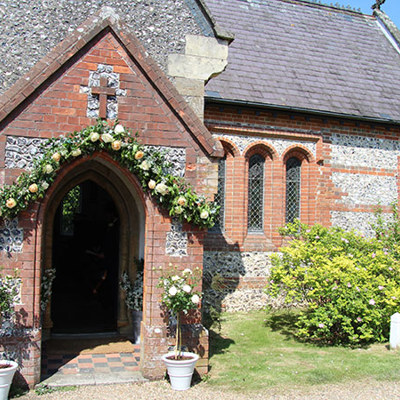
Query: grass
{"points": [[255, 350]]}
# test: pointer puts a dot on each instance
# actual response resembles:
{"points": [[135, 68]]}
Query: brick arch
{"points": [[229, 147], [264, 149], [129, 200], [299, 151]]}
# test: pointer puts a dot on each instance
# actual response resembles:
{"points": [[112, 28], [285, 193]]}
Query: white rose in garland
{"points": [[119, 129], [48, 169], [76, 152], [106, 138], [172, 191], [151, 184], [144, 165], [204, 214], [94, 137], [162, 188]]}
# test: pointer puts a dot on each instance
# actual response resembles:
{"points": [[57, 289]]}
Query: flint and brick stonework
{"points": [[348, 169], [149, 105]]}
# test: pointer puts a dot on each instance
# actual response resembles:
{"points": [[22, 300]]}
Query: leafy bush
{"points": [[348, 285]]}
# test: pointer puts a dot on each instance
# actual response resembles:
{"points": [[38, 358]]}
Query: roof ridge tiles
{"points": [[319, 4]]}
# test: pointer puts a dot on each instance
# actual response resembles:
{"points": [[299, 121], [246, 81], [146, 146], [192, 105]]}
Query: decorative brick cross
{"points": [[103, 91]]}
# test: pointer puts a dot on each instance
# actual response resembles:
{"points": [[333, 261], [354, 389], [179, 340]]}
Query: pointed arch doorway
{"points": [[94, 230]]}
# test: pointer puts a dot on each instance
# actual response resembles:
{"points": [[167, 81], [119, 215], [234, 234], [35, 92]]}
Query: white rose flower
{"points": [[173, 291], [195, 299], [145, 165], [175, 278], [94, 136], [162, 188], [178, 210], [76, 152], [204, 214], [45, 185], [119, 129], [48, 169], [187, 271], [152, 184], [106, 138], [186, 288]]}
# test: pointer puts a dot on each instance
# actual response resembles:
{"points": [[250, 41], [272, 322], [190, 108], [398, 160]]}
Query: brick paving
{"points": [[70, 364]]}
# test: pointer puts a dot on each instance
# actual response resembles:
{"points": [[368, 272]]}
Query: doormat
{"points": [[88, 346]]}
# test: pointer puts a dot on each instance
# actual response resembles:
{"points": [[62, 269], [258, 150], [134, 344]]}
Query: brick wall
{"points": [[151, 107], [348, 168]]}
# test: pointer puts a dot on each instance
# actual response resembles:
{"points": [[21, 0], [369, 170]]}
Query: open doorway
{"points": [[86, 243]]}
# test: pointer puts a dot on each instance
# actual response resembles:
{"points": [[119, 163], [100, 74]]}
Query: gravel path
{"points": [[366, 390]]}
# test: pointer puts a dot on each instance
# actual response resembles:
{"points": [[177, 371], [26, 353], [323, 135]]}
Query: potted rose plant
{"points": [[179, 297], [8, 294]]}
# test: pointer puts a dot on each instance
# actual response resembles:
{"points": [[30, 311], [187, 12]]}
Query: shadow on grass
{"points": [[218, 343], [283, 322]]}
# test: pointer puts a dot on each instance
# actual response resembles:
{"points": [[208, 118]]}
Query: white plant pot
{"points": [[6, 377], [180, 371]]}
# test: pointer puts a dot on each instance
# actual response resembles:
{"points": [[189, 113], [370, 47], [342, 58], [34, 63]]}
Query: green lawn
{"points": [[256, 350]]}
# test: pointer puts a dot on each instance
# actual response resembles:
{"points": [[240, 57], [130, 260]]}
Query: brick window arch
{"points": [[255, 207], [293, 189]]}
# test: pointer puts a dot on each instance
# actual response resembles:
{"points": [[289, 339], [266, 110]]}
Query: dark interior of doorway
{"points": [[85, 256]]}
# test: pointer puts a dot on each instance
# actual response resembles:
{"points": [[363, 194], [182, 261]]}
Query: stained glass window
{"points": [[255, 210], [293, 175]]}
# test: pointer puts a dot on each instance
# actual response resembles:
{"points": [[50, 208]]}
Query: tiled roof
{"points": [[306, 56]]}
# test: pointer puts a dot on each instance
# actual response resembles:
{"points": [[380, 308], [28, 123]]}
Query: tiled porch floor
{"points": [[73, 369]]}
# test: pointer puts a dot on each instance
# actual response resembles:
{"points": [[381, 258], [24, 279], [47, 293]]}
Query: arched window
{"points": [[293, 181], [255, 210], [220, 196]]}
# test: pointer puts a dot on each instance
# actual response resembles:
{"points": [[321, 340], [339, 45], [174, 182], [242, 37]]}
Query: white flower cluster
{"points": [[133, 292], [179, 294]]}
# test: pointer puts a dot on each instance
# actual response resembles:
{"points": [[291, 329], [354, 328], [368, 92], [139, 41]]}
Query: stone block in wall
{"points": [[11, 236]]}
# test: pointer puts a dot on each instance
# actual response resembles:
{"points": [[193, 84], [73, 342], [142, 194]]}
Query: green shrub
{"points": [[348, 285]]}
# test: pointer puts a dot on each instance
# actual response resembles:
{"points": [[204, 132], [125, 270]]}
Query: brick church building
{"points": [[277, 109]]}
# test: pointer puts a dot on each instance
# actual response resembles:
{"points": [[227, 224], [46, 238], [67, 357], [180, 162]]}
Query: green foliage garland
{"points": [[150, 167], [349, 285]]}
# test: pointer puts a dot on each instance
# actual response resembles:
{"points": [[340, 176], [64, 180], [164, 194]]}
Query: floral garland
{"points": [[150, 167]]}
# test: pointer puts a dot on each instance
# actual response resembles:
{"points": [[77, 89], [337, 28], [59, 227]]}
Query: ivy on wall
{"points": [[149, 166]]}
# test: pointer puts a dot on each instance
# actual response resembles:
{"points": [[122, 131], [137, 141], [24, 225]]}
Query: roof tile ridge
{"points": [[314, 4]]}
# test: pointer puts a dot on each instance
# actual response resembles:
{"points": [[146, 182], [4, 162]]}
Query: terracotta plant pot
{"points": [[7, 371], [180, 371]]}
